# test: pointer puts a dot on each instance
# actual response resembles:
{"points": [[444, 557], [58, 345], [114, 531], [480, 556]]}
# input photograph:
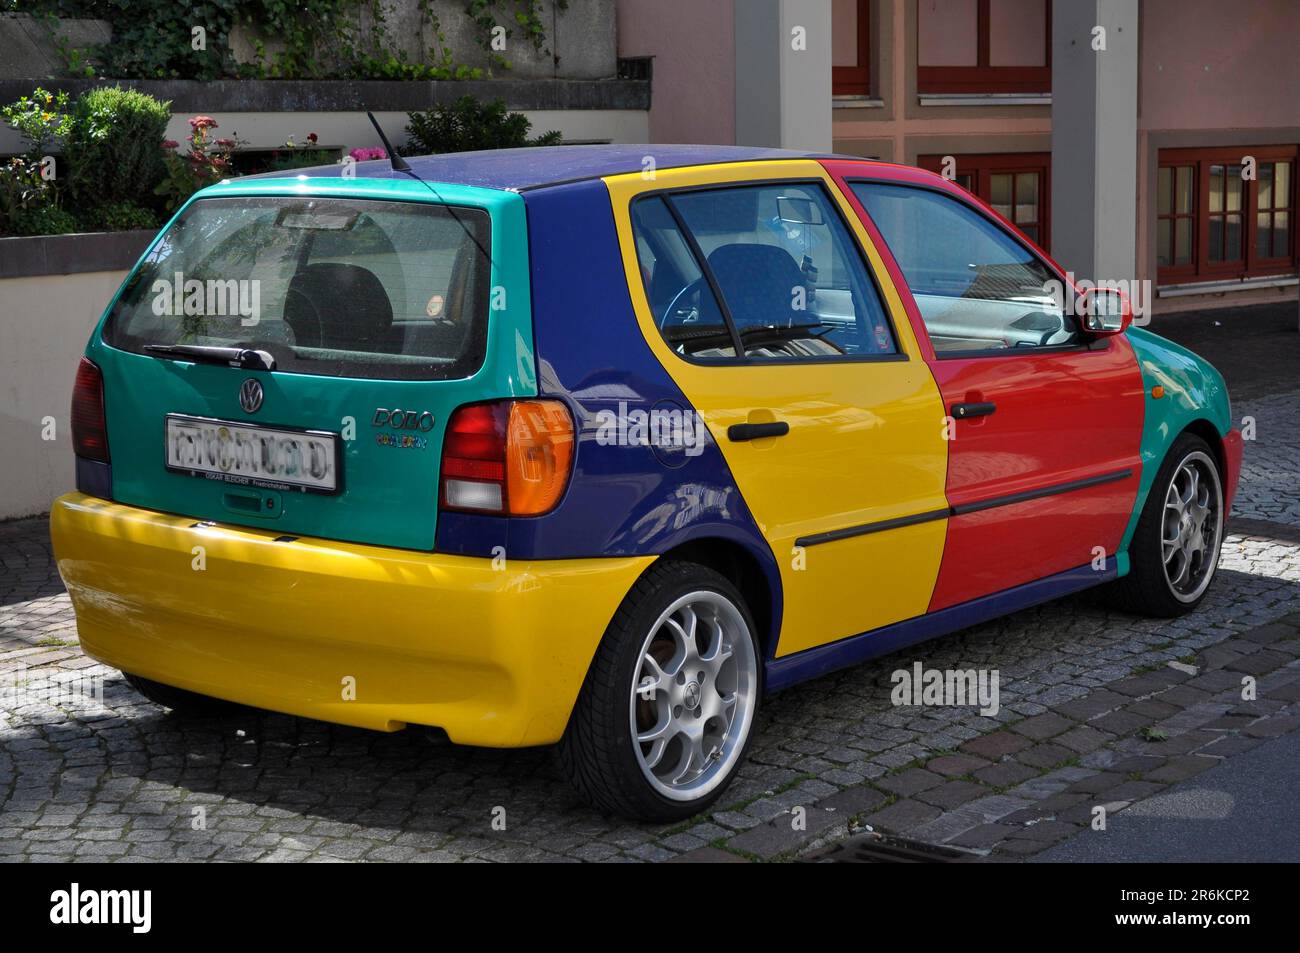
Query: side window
{"points": [[683, 305], [792, 282], [977, 288]]}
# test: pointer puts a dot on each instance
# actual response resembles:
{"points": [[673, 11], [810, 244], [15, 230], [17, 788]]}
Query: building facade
{"points": [[1153, 140]]}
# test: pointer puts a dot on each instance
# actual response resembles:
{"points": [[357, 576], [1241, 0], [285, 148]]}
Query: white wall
{"points": [[44, 325], [351, 130]]}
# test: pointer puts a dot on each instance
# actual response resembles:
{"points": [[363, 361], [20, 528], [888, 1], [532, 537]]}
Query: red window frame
{"points": [[1251, 264], [984, 78], [856, 80], [981, 169], [1174, 217]]}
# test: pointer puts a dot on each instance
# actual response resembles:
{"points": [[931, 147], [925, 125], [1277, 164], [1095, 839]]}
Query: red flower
{"points": [[311, 137], [203, 122]]}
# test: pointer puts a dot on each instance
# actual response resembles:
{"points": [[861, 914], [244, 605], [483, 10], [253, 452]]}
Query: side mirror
{"points": [[1105, 311]]}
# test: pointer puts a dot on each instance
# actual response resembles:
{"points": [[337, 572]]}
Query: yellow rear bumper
{"points": [[494, 657]]}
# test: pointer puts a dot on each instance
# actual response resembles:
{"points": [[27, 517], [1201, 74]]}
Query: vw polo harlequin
{"points": [[536, 447]]}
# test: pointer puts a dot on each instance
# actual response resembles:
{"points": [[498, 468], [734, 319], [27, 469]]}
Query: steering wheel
{"points": [[673, 308]]}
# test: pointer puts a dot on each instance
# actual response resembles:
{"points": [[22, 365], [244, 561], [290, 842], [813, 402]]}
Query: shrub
{"points": [[206, 162], [467, 125], [112, 146], [23, 194], [41, 119], [45, 220], [117, 217]]}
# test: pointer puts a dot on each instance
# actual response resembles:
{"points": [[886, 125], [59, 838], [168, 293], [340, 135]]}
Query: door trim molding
{"points": [[1010, 499]]}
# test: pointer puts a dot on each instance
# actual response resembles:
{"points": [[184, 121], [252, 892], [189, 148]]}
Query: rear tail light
{"points": [[89, 428], [509, 457]]}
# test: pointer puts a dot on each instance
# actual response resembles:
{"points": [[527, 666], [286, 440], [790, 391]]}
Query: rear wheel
{"points": [[184, 703], [665, 714], [1175, 549]]}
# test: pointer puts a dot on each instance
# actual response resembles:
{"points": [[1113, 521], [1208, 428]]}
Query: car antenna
{"points": [[397, 162]]}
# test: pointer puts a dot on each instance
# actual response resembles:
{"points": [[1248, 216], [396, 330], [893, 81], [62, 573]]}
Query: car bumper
{"points": [[494, 656], [1232, 452]]}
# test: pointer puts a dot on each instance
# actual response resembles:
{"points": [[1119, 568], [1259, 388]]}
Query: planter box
{"points": [[53, 289], [33, 256]]}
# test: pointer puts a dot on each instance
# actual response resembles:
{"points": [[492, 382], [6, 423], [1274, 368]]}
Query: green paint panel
{"points": [[389, 496], [1194, 391]]}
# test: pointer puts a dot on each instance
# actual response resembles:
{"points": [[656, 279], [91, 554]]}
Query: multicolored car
{"points": [[598, 446]]}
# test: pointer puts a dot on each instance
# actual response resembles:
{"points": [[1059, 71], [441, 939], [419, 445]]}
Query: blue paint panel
{"points": [[533, 167], [623, 500], [784, 672]]}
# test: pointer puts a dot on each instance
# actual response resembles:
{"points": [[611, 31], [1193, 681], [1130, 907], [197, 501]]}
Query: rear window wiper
{"points": [[241, 357]]}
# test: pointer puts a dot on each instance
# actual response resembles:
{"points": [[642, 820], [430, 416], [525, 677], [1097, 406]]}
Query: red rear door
{"points": [[1045, 429]]}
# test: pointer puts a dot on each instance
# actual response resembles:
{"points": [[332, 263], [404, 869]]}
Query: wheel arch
{"points": [[757, 582]]}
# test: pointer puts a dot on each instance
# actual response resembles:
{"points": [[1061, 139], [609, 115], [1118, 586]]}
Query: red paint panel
{"points": [[1061, 417], [1232, 451]]}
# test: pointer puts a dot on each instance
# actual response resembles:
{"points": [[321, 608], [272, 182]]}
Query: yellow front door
{"points": [[850, 495]]}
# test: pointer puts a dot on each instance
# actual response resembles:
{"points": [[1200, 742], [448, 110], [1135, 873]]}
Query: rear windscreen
{"points": [[370, 289]]}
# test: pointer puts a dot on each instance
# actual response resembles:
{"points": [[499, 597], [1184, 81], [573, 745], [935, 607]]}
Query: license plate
{"points": [[250, 455]]}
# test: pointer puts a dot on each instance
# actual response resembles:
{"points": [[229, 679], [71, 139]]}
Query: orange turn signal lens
{"points": [[539, 455], [1157, 392]]}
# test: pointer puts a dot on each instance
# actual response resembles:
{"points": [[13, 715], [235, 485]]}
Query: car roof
{"points": [[536, 167]]}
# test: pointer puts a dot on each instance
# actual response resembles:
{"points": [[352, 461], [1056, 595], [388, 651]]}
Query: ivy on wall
{"points": [[291, 39]]}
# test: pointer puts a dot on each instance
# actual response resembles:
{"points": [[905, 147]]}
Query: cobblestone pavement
{"points": [[1092, 713]]}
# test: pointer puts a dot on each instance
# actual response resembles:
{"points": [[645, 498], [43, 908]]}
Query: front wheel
{"points": [[665, 714], [1175, 548]]}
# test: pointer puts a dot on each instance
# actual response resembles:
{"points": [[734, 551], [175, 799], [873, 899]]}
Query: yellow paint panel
{"points": [[865, 445], [494, 657]]}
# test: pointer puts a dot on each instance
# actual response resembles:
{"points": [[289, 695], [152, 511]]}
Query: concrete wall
{"points": [[44, 325], [579, 43], [351, 130], [694, 51]]}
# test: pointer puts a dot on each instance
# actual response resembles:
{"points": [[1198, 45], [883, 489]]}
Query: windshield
{"points": [[350, 288]]}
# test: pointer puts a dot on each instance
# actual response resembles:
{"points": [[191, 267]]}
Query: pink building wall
{"points": [[693, 43], [1212, 65]]}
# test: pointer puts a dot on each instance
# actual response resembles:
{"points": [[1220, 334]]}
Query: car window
{"points": [[349, 288], [683, 305], [976, 287], [792, 280]]}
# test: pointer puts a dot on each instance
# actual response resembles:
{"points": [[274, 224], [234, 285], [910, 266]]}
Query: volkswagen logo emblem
{"points": [[250, 395]]}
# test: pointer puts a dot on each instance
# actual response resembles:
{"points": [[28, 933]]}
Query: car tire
{"points": [[1174, 553], [691, 701], [185, 704]]}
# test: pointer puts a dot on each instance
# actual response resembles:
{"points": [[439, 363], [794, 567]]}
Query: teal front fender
{"points": [[1194, 395]]}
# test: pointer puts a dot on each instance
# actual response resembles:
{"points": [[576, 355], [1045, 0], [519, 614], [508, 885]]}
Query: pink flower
{"points": [[362, 155], [225, 143], [203, 122], [170, 144]]}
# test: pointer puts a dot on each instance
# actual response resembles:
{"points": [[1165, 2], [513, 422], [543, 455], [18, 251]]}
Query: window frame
{"points": [[856, 80], [975, 204], [1251, 265], [983, 77], [701, 262], [984, 165], [1187, 270]]}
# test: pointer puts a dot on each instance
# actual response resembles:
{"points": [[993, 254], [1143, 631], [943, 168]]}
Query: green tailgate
{"points": [[388, 491]]}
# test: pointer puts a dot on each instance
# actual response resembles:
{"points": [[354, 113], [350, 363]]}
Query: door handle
{"points": [[738, 432], [966, 411]]}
